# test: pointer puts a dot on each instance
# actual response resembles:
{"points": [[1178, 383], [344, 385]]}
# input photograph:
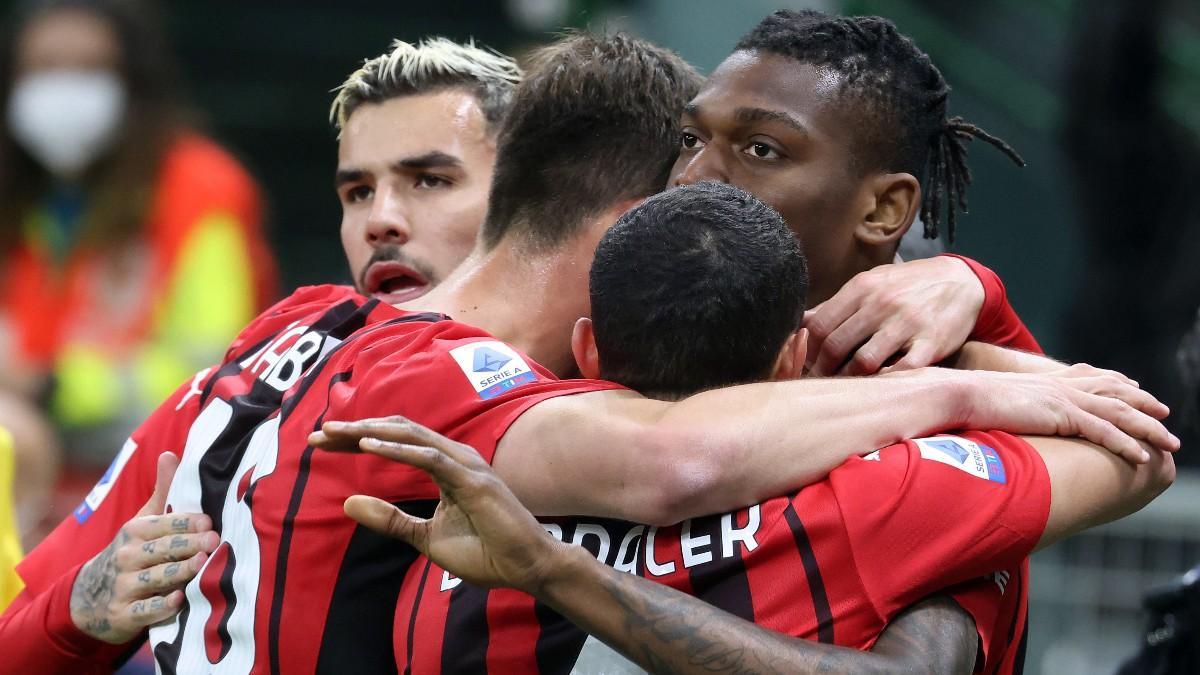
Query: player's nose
{"points": [[387, 224], [704, 165]]}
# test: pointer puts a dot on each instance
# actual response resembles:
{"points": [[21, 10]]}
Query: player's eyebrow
{"points": [[751, 115], [344, 176], [435, 159], [430, 160]]}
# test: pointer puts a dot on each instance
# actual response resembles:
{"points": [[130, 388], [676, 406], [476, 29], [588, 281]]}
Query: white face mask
{"points": [[66, 118]]}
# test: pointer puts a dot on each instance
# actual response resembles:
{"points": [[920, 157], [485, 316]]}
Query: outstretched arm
{"points": [[482, 534], [616, 454]]}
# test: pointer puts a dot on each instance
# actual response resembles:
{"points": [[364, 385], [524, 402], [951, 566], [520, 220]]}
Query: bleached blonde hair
{"points": [[431, 65]]}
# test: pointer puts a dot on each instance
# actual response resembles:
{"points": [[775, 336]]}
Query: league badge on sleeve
{"points": [[492, 367], [964, 455], [92, 501]]}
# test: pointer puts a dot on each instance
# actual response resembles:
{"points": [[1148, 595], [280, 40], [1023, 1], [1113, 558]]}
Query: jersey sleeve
{"points": [[998, 323], [40, 616], [930, 513], [469, 389]]}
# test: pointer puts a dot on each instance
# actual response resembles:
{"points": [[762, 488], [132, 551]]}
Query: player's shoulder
{"points": [[985, 455], [432, 344], [305, 305]]}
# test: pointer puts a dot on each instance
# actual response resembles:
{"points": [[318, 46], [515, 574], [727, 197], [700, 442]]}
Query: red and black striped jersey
{"points": [[833, 562], [295, 586]]}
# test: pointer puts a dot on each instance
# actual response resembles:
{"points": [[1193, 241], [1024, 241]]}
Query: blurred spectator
{"points": [[131, 245]]}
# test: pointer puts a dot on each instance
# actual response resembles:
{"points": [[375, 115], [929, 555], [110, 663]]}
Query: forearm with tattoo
{"points": [[665, 631]]}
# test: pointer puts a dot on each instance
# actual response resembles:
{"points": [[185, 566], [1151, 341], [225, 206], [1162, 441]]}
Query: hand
{"points": [[921, 311], [1102, 406], [135, 582], [479, 531]]}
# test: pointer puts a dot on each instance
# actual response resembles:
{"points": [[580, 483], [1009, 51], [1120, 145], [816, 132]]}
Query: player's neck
{"points": [[529, 300]]}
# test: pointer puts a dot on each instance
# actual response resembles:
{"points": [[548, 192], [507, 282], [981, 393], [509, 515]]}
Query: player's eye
{"points": [[429, 180], [761, 151], [691, 141], [358, 193]]}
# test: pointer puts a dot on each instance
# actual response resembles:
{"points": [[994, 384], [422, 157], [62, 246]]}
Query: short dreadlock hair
{"points": [[898, 96], [432, 65]]}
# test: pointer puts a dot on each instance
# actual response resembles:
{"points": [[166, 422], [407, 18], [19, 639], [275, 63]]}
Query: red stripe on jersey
{"points": [[428, 633], [406, 612], [513, 612], [214, 584]]}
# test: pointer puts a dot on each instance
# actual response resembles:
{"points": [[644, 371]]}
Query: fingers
{"points": [[922, 353], [1131, 423], [388, 520], [396, 430], [1104, 433], [162, 578], [172, 548], [871, 356], [826, 317], [154, 610], [167, 464], [447, 472], [844, 339], [1130, 394], [146, 528]]}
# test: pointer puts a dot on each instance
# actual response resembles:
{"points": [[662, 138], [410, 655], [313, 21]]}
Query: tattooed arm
{"points": [[665, 631], [481, 533]]}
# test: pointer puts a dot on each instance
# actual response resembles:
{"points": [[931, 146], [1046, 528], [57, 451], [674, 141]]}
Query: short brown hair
{"points": [[595, 122]]}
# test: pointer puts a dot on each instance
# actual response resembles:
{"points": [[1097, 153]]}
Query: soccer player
{"points": [[701, 287], [416, 146], [292, 585], [841, 124]]}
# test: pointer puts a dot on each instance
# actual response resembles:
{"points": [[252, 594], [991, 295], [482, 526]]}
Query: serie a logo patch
{"points": [[965, 455], [492, 367]]}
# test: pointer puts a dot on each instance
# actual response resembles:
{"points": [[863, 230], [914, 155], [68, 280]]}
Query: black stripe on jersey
{"points": [[225, 586], [289, 522], [559, 642], [465, 642], [166, 654], [412, 620], [362, 609], [816, 585], [721, 582]]}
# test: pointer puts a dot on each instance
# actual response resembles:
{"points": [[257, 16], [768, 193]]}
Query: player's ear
{"points": [[583, 346], [893, 204], [789, 365]]}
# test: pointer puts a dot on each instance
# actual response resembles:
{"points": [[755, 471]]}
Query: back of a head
{"points": [[430, 66], [895, 98], [697, 287], [595, 122]]}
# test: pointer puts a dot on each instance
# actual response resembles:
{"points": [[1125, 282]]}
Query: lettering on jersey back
{"points": [[284, 360], [640, 543]]}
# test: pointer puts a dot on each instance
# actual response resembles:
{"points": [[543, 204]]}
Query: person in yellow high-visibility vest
{"points": [[10, 542]]}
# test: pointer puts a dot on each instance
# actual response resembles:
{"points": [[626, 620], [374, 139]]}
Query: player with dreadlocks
{"points": [[842, 125]]}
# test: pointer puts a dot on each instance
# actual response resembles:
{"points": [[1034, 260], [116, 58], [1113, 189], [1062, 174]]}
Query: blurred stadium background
{"points": [[1096, 239]]}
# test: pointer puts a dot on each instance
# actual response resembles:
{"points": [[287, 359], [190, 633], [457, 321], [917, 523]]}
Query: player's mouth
{"points": [[394, 282]]}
